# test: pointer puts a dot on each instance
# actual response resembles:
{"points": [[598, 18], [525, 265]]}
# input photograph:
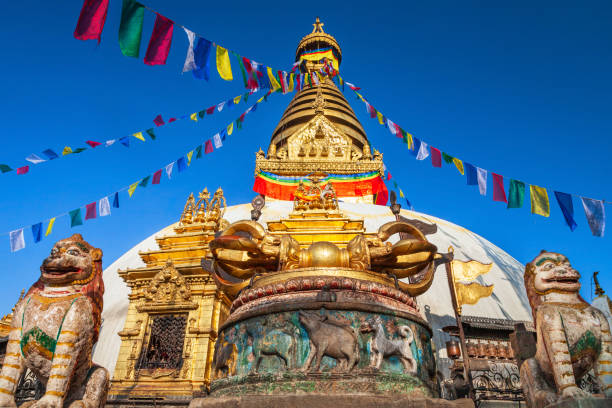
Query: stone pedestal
{"points": [[583, 403]]}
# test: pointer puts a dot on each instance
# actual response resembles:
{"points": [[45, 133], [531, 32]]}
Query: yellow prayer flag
{"points": [[471, 293], [380, 118], [194, 116], [50, 226], [291, 84], [539, 201], [189, 158], [260, 100], [401, 193], [409, 141], [273, 81], [67, 150], [223, 64], [230, 128], [459, 165], [139, 136], [133, 187], [237, 99], [468, 271]]}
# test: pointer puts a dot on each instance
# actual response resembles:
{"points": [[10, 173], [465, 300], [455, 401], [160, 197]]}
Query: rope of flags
{"points": [[594, 209], [102, 207], [197, 60], [50, 154]]}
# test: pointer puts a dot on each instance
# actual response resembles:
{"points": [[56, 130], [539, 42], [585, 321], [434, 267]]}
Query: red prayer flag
{"points": [[161, 39], [382, 196], [211, 110], [251, 82], [499, 194], [436, 157], [156, 177], [23, 170], [93, 144], [388, 175], [398, 131], [171, 120], [208, 146], [91, 20], [90, 211], [159, 121]]}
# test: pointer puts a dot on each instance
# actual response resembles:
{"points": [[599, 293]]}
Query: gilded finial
{"points": [[318, 26], [598, 290]]}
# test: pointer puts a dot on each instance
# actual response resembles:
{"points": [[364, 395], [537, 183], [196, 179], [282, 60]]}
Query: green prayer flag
{"points": [[266, 97], [151, 133], [130, 28], [448, 159], [79, 150], [75, 218], [404, 136], [394, 184], [239, 124], [144, 182], [198, 152], [242, 70], [516, 194], [202, 113], [246, 97], [5, 168]]}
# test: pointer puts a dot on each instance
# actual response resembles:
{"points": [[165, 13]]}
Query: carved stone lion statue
{"points": [[55, 328], [572, 337]]}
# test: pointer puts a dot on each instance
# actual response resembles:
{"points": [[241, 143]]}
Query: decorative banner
{"points": [[16, 237], [130, 28], [159, 44], [91, 21], [354, 185]]}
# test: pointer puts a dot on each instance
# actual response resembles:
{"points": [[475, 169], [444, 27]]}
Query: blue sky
{"points": [[520, 88]]}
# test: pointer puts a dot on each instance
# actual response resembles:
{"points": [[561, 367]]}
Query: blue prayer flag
{"points": [[116, 200], [201, 52], [567, 208], [75, 217], [223, 133], [50, 154], [37, 232], [596, 215], [471, 174], [125, 141], [416, 147], [182, 164]]}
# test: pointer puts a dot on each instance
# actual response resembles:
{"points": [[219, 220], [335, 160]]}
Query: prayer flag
{"points": [[189, 155], [499, 194], [16, 240], [315, 79], [189, 63], [220, 106], [93, 144], [436, 158], [388, 175], [370, 109], [91, 20], [459, 165], [79, 150], [109, 142], [181, 164], [50, 154], [37, 232], [50, 226], [539, 201], [282, 81], [470, 174], [423, 152], [448, 159], [516, 194], [104, 207], [596, 215], [169, 169], [90, 211], [208, 147], [144, 182], [391, 126], [161, 39], [291, 85], [139, 136], [132, 188], [567, 208], [116, 200], [23, 170], [417, 147], [67, 150], [198, 151], [130, 28], [75, 218], [401, 193], [380, 118], [217, 140], [34, 158], [482, 180], [201, 54], [273, 82], [237, 99], [353, 87], [151, 133], [159, 121], [194, 116], [156, 177], [224, 66], [230, 129], [202, 113], [242, 70], [5, 168], [125, 141], [211, 110], [171, 120]]}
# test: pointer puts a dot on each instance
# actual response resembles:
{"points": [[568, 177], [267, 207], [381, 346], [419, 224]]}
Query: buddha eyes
{"points": [[73, 252]]}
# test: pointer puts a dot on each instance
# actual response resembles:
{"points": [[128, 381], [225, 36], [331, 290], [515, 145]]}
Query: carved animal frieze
{"points": [[273, 342], [572, 337], [329, 337], [57, 326], [225, 358], [382, 347]]}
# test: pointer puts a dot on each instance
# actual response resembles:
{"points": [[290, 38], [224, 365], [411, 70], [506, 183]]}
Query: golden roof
{"points": [[316, 40]]}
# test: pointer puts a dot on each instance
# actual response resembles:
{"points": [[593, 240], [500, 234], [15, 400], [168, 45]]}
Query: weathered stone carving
{"points": [[56, 327], [274, 342], [381, 347], [331, 338], [226, 356], [573, 337]]}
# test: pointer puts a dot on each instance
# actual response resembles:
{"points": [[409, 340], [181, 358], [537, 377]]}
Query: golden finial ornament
{"points": [[598, 290], [318, 26]]}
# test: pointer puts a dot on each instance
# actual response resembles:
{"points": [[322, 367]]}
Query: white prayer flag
{"points": [[596, 215], [217, 140], [109, 142], [220, 106], [34, 158], [482, 180], [17, 241], [423, 152], [391, 126], [169, 170], [104, 207], [189, 58]]}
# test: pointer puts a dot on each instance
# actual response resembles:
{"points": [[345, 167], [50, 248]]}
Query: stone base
{"points": [[583, 403], [327, 401]]}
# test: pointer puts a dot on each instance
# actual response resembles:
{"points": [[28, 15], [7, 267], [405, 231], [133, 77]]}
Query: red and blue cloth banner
{"points": [[91, 20], [353, 185]]}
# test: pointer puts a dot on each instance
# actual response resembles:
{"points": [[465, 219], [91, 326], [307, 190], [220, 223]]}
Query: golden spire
{"points": [[318, 26], [598, 290]]}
